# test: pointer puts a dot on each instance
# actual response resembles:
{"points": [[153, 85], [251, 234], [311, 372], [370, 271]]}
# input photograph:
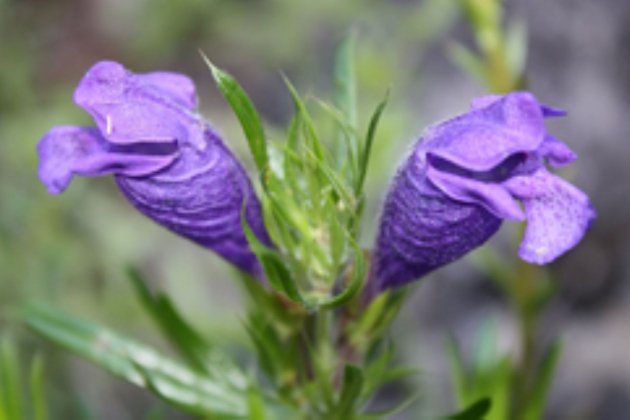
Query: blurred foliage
{"points": [[22, 391]]}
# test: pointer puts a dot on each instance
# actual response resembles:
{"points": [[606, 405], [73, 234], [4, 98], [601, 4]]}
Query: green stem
{"points": [[524, 294]]}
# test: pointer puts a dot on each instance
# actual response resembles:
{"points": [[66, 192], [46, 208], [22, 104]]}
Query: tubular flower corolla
{"points": [[168, 162], [465, 177]]}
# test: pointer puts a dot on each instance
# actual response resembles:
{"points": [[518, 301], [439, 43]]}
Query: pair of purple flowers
{"points": [[462, 179]]}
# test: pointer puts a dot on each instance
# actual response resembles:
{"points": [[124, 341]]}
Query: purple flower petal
{"points": [[481, 139], [131, 108], [423, 229], [66, 151], [179, 87], [201, 197], [484, 101], [550, 112], [492, 197], [556, 152], [558, 215], [487, 100]]}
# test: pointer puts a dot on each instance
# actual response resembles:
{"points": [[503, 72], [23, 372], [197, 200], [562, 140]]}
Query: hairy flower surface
{"points": [[169, 163], [465, 177]]}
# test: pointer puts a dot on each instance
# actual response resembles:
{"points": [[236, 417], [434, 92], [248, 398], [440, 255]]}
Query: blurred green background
{"points": [[70, 250]]}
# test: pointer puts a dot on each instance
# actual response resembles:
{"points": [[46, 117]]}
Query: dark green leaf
{"points": [[476, 411], [358, 274], [180, 334], [271, 352], [365, 153], [389, 412], [458, 370], [350, 391], [275, 269], [540, 389], [245, 112]]}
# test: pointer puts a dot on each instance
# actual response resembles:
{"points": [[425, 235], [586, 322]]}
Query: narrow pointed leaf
{"points": [[180, 334], [540, 389], [397, 408], [350, 391], [309, 126], [10, 380], [137, 364], [346, 80], [348, 146], [246, 113], [516, 48], [38, 394], [275, 269], [458, 370], [369, 140], [358, 275]]}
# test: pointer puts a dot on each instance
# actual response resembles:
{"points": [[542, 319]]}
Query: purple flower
{"points": [[465, 177], [169, 163]]}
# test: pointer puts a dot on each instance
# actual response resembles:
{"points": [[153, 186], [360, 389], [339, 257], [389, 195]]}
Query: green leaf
{"points": [[332, 179], [458, 370], [540, 389], [346, 80], [397, 408], [309, 127], [369, 140], [38, 394], [350, 391], [138, 364], [245, 112], [191, 346], [358, 274], [485, 347], [255, 405], [291, 166], [516, 48], [10, 381], [348, 147], [271, 353], [276, 271], [468, 62], [476, 411]]}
